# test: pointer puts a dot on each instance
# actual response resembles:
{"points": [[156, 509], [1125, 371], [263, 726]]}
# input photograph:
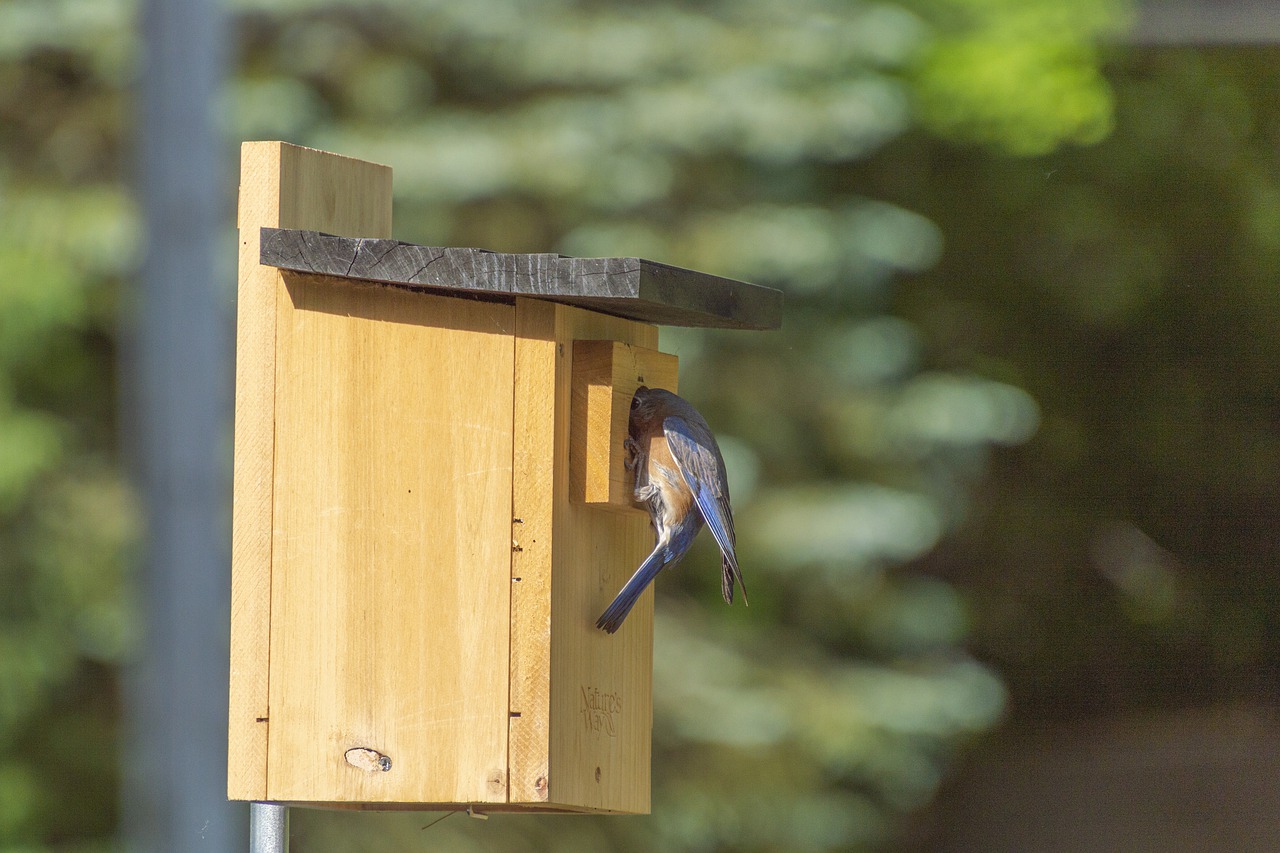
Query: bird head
{"points": [[646, 410]]}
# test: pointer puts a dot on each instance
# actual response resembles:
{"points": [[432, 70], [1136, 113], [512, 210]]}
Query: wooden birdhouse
{"points": [[431, 507]]}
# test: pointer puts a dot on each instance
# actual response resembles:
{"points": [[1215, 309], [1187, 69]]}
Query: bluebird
{"points": [[680, 480]]}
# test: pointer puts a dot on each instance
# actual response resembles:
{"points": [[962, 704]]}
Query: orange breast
{"points": [[665, 473]]}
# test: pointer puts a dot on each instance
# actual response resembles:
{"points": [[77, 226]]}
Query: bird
{"points": [[680, 479]]}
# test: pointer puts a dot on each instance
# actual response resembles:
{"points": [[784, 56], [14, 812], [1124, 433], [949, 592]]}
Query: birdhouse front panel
{"points": [[433, 582], [391, 546]]}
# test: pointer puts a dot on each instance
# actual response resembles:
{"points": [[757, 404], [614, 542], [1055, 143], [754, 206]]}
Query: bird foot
{"points": [[633, 453]]}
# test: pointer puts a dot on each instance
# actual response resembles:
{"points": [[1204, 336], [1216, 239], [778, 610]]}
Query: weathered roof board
{"points": [[628, 287]]}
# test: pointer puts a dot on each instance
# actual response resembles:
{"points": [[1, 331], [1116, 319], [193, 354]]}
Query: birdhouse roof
{"points": [[627, 287]]}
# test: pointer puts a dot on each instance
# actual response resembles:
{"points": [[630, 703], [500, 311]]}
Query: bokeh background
{"points": [[1006, 480]]}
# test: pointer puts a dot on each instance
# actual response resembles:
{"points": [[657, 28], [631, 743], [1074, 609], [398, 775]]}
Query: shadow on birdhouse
{"points": [[431, 506]]}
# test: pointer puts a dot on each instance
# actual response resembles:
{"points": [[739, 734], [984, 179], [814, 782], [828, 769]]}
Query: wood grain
{"points": [[582, 739], [635, 288], [281, 186], [392, 546], [602, 694], [537, 355], [414, 589]]}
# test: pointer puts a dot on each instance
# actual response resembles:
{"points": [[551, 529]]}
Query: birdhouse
{"points": [[432, 508]]}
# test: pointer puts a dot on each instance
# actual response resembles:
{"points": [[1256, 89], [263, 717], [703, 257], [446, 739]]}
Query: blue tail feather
{"points": [[613, 615]]}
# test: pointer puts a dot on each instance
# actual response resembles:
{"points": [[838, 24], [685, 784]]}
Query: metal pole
{"points": [[268, 828], [177, 378]]}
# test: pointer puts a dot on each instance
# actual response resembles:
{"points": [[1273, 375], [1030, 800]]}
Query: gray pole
{"points": [[268, 828], [177, 379]]}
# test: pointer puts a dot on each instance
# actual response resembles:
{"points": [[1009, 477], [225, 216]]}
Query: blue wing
{"points": [[698, 456]]}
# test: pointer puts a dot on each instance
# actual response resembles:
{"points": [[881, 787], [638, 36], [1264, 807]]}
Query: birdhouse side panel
{"points": [[391, 548], [581, 705], [601, 685], [281, 186]]}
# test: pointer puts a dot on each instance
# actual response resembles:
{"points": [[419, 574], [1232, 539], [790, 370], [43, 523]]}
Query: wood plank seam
{"points": [[266, 759], [271, 489], [512, 634], [530, 583]]}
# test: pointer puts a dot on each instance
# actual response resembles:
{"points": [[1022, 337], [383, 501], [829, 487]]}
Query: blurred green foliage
{"points": [[67, 242], [1017, 76], [1120, 561], [1021, 405]]}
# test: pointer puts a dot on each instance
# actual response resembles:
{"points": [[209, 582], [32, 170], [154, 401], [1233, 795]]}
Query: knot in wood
{"points": [[368, 760]]}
